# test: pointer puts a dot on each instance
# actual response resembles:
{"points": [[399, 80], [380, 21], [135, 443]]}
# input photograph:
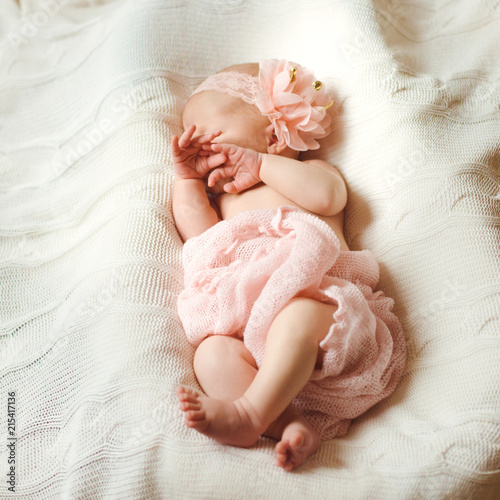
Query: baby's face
{"points": [[211, 111]]}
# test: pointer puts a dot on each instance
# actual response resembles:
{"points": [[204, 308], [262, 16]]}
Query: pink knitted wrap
{"points": [[241, 272]]}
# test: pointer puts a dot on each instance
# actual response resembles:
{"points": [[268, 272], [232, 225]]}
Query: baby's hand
{"points": [[193, 158], [243, 165]]}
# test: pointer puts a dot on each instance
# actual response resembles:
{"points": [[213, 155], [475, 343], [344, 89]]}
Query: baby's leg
{"points": [[290, 355], [225, 368], [291, 352]]}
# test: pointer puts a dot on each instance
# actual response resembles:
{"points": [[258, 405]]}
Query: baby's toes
{"points": [[196, 419], [186, 394], [189, 405], [297, 442], [282, 451]]}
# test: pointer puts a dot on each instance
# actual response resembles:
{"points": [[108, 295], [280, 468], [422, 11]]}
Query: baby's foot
{"points": [[233, 423], [298, 442]]}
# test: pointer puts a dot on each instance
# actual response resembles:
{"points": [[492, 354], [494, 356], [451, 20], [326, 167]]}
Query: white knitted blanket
{"points": [[91, 348]]}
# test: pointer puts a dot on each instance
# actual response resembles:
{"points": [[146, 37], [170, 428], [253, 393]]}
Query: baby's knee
{"points": [[216, 348]]}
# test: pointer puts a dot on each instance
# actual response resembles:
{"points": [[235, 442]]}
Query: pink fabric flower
{"points": [[296, 109]]}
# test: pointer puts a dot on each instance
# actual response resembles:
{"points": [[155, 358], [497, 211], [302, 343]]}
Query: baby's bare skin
{"points": [[263, 196], [241, 402]]}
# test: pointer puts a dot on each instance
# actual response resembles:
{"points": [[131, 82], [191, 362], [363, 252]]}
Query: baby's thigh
{"points": [[305, 317]]}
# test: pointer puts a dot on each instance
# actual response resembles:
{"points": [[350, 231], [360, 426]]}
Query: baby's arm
{"points": [[191, 207], [193, 213], [314, 185]]}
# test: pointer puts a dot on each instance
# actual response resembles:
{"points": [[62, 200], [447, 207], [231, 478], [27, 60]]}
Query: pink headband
{"points": [[285, 92]]}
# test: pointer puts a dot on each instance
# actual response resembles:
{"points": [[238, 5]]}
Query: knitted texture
{"points": [[243, 271], [90, 260]]}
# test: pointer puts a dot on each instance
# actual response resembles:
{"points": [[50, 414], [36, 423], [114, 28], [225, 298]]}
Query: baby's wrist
{"points": [[260, 159], [187, 180], [265, 157]]}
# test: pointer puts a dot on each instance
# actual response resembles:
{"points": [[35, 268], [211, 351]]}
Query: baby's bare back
{"points": [[263, 196]]}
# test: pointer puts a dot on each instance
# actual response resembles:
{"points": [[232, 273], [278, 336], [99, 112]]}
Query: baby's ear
{"points": [[275, 146]]}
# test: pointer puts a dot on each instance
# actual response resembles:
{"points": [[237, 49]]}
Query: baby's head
{"points": [[274, 107]]}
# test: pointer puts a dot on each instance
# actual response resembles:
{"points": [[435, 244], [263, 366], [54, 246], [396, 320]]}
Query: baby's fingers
{"points": [[185, 139], [216, 175], [175, 143], [216, 160], [230, 187], [176, 149], [222, 147], [218, 147], [206, 138]]}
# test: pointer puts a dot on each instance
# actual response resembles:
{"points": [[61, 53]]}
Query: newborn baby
{"points": [[292, 341]]}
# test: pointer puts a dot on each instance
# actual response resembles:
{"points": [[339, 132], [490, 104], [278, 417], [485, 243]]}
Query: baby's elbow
{"points": [[333, 200]]}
